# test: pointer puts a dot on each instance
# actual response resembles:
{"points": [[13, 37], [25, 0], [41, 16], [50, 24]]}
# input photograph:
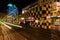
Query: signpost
{"points": [[12, 11]]}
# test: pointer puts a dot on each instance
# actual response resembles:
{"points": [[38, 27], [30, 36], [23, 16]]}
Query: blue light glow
{"points": [[12, 10], [10, 4]]}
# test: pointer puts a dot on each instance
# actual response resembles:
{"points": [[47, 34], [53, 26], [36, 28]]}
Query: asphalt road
{"points": [[33, 34], [1, 34], [11, 34], [28, 34]]}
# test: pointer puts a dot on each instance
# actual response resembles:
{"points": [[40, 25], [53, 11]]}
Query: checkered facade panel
{"points": [[40, 13]]}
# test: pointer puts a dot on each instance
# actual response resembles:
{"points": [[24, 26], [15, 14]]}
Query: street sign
{"points": [[12, 10]]}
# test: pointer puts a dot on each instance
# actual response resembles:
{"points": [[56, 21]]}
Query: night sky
{"points": [[19, 3]]}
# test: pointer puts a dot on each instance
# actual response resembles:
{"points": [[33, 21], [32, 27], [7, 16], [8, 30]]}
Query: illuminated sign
{"points": [[12, 10]]}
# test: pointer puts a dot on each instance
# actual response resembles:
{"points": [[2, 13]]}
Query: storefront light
{"points": [[36, 21], [58, 3], [23, 11], [56, 6], [22, 18]]}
